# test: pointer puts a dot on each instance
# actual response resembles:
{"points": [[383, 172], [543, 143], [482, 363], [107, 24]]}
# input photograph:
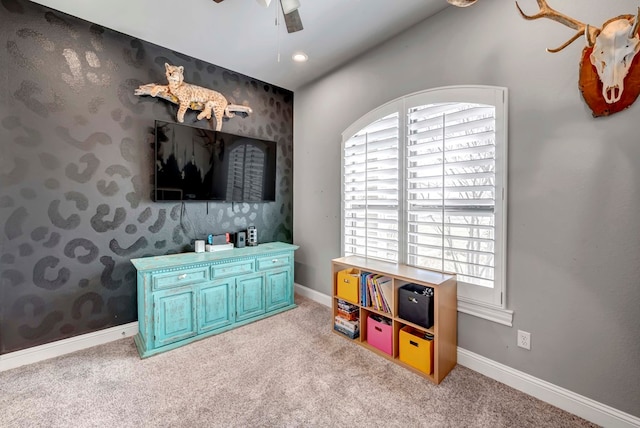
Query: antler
{"points": [[636, 26], [546, 11]]}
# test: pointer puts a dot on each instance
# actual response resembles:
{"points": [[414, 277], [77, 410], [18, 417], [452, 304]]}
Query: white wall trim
{"points": [[312, 294], [562, 398], [577, 404], [498, 315], [66, 346], [58, 348]]}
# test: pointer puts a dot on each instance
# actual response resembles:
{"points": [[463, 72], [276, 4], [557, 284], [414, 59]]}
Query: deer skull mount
{"points": [[608, 61]]}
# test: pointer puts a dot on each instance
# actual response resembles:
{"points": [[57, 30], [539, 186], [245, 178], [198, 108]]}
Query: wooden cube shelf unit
{"points": [[445, 317]]}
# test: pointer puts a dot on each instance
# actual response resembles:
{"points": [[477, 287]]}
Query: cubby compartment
{"points": [[415, 304], [380, 333], [416, 348], [350, 329], [346, 319], [348, 310], [376, 292], [348, 285], [430, 351]]}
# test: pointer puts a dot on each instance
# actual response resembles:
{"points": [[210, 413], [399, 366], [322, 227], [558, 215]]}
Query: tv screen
{"points": [[196, 164]]}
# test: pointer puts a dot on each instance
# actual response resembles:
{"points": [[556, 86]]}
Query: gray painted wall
{"points": [[573, 273]]}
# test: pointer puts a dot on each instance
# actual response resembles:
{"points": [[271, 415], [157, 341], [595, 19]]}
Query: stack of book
{"points": [[347, 310], [376, 291], [346, 322], [349, 328]]}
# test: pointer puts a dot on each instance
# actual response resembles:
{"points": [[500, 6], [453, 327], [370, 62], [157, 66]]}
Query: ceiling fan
{"points": [[290, 11]]}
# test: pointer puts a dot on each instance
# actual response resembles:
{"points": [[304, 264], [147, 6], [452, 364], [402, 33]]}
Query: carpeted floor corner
{"points": [[289, 370]]}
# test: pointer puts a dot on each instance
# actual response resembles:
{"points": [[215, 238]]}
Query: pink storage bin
{"points": [[380, 335]]}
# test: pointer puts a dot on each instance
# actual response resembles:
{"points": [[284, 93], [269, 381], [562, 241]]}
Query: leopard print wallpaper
{"points": [[77, 167]]}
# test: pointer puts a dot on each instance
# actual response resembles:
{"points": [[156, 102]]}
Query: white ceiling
{"points": [[241, 35]]}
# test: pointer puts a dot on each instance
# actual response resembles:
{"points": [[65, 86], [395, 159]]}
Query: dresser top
{"points": [[172, 260]]}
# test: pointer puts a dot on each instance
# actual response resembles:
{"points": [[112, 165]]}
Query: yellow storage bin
{"points": [[416, 351], [347, 287]]}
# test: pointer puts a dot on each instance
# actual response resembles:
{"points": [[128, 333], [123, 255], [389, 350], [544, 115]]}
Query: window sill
{"points": [[497, 315]]}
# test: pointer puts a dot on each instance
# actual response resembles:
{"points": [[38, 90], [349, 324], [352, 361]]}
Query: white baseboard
{"points": [[314, 295], [579, 405], [66, 346], [77, 343], [562, 398]]}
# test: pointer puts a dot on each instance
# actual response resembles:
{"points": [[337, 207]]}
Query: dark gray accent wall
{"points": [[76, 171]]}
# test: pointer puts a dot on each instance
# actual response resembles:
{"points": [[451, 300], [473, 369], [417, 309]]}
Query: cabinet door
{"points": [[249, 296], [216, 304], [278, 289], [174, 315]]}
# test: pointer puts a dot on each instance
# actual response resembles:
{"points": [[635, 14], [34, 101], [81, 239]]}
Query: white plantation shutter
{"points": [[451, 190], [370, 190], [424, 184]]}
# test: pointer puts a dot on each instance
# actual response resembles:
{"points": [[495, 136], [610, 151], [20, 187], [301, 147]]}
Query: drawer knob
{"points": [[183, 276], [274, 261]]}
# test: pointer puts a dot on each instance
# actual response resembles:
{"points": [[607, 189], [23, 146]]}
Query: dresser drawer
{"points": [[232, 269], [272, 262], [180, 277]]}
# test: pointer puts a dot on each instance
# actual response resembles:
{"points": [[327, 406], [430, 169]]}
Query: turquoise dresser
{"points": [[187, 297]]}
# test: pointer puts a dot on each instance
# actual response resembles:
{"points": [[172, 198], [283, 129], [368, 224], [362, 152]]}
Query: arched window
{"points": [[424, 184]]}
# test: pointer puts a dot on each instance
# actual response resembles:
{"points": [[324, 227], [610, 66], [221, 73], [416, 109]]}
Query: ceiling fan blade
{"points": [[289, 6], [293, 21]]}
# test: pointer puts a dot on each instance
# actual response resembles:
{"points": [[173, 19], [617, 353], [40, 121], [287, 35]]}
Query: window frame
{"points": [[489, 304]]}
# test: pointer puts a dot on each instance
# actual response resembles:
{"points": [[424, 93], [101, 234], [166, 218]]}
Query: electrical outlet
{"points": [[524, 339]]}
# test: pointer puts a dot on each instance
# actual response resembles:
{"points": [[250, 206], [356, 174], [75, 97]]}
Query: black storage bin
{"points": [[415, 306]]}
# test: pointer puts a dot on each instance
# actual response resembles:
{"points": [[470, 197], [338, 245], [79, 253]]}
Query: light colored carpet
{"points": [[285, 371]]}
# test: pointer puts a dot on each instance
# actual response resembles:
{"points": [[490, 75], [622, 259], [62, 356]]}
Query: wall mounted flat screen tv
{"points": [[196, 164]]}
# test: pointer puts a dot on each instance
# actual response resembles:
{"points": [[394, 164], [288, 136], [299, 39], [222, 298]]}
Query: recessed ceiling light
{"points": [[300, 57]]}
